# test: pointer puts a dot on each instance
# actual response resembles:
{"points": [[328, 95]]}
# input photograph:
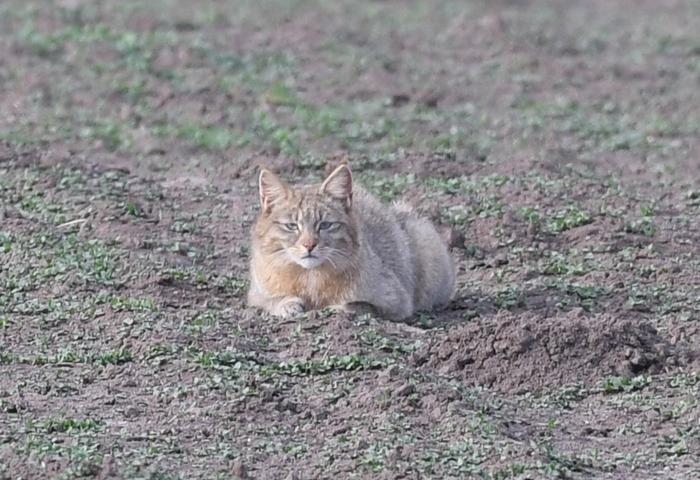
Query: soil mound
{"points": [[515, 353]]}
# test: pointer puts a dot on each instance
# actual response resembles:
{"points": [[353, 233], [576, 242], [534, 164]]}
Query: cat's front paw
{"points": [[288, 307]]}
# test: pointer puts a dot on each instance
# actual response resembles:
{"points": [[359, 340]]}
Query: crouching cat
{"points": [[334, 244]]}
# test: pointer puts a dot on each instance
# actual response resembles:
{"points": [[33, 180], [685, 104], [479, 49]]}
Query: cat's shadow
{"points": [[539, 300]]}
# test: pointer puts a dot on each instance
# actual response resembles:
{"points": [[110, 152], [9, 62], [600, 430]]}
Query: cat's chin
{"points": [[309, 262]]}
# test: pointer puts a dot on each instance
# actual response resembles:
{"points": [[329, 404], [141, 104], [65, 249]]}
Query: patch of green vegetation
{"points": [[68, 425], [387, 188], [232, 285], [112, 134], [68, 356], [62, 282], [567, 219], [372, 338], [279, 94], [5, 242], [182, 226], [212, 137], [624, 384], [226, 359], [132, 209], [467, 185], [643, 226], [207, 137], [231, 359], [199, 278], [204, 321], [280, 138], [132, 89], [562, 465], [556, 263], [509, 299], [456, 214], [92, 260], [531, 215], [683, 379], [115, 357], [490, 206], [326, 365], [132, 304], [80, 457], [375, 456]]}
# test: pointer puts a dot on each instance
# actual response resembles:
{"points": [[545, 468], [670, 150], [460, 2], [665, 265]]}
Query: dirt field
{"points": [[556, 143]]}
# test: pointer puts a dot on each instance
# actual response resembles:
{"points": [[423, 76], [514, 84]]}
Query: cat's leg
{"points": [[358, 308], [391, 298], [279, 306], [396, 307], [286, 307]]}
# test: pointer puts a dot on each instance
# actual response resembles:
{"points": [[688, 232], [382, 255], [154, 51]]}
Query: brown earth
{"points": [[520, 353], [555, 144]]}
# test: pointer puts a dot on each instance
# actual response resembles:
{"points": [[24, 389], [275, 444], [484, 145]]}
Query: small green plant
{"points": [[624, 384], [111, 133], [211, 137], [130, 208], [131, 304], [319, 367], [567, 219], [53, 425], [558, 264], [643, 226], [232, 285], [531, 215], [388, 188], [456, 214], [116, 357]]}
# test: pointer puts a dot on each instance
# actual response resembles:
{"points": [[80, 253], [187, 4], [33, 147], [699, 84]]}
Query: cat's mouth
{"points": [[309, 261]]}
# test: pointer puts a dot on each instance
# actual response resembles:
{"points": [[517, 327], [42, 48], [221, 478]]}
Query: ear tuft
{"points": [[339, 184], [272, 189]]}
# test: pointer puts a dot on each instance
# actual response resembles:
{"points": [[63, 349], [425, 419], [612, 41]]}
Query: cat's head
{"points": [[309, 225]]}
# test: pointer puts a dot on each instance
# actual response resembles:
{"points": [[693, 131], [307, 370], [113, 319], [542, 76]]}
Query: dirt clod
{"points": [[514, 353]]}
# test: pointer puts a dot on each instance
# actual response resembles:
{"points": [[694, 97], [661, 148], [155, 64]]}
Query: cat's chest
{"points": [[318, 288]]}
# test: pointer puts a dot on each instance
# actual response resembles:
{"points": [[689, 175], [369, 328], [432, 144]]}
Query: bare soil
{"points": [[556, 144]]}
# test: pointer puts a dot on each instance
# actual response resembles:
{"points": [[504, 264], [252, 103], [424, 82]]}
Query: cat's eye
{"points": [[292, 227], [326, 225]]}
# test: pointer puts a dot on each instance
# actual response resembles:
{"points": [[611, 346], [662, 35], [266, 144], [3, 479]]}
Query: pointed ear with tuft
{"points": [[272, 189], [339, 184]]}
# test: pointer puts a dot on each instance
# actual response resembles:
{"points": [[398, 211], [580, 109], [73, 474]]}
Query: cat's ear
{"points": [[339, 184], [272, 189]]}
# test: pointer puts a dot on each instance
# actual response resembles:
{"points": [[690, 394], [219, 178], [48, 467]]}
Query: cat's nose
{"points": [[309, 243]]}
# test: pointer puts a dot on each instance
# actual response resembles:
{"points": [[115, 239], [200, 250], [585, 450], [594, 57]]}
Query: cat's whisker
{"points": [[330, 260], [339, 255], [277, 257]]}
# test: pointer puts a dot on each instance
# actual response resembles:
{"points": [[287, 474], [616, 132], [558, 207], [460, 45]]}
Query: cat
{"points": [[334, 244]]}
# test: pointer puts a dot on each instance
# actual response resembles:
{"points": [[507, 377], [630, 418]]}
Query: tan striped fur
{"points": [[334, 244]]}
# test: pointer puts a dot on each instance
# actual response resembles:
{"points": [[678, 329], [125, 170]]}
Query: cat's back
{"points": [[380, 228], [410, 246], [379, 222]]}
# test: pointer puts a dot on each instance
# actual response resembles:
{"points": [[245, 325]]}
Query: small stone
{"points": [[498, 260], [454, 237], [132, 412], [391, 372], [404, 390], [399, 99]]}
